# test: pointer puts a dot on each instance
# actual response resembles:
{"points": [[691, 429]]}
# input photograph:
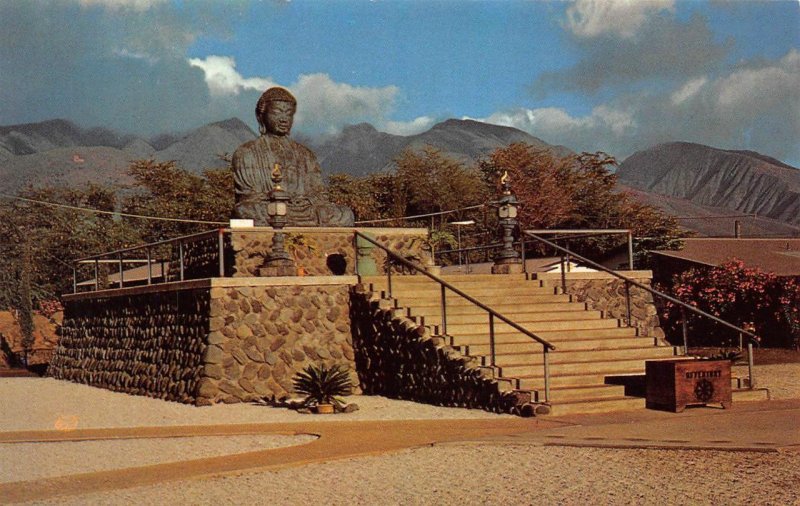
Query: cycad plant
{"points": [[321, 384]]}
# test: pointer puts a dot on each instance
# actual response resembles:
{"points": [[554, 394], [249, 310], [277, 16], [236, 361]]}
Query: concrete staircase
{"points": [[589, 347]]}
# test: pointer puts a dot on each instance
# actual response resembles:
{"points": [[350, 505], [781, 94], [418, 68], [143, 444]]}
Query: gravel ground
{"points": [[65, 405], [450, 474], [29, 461], [491, 474]]}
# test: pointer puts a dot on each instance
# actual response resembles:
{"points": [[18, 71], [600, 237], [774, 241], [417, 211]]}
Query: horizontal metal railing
{"points": [[751, 337], [444, 286], [118, 256]]}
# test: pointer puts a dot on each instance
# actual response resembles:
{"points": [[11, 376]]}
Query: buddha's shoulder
{"points": [[302, 148], [248, 147]]}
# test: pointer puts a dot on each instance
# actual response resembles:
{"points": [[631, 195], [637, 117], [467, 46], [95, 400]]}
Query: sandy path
{"points": [[29, 461], [71, 405], [486, 474], [452, 474]]}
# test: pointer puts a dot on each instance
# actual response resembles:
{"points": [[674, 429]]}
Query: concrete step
{"points": [[580, 393], [531, 346], [536, 327], [603, 366], [479, 293], [482, 318], [452, 300], [507, 360], [433, 308], [451, 278], [553, 336], [746, 395], [560, 380], [597, 406]]}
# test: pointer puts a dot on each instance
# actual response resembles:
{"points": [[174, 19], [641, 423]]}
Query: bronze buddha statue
{"points": [[254, 161]]}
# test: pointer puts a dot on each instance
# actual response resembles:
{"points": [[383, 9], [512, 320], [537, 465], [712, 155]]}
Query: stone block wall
{"points": [[140, 343], [261, 336], [206, 341], [320, 251], [604, 292], [397, 358]]}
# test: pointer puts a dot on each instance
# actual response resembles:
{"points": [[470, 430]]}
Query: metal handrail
{"points": [[752, 338], [546, 345], [147, 247]]}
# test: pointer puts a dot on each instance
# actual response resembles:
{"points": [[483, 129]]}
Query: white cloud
{"points": [[415, 126], [324, 105], [222, 77], [557, 126], [622, 18], [688, 90], [756, 107], [763, 86]]}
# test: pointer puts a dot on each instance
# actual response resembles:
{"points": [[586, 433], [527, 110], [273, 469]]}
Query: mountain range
{"points": [[714, 181], [690, 180]]}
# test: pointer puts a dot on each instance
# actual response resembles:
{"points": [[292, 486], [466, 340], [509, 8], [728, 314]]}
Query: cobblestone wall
{"points": [[321, 252], [260, 337], [397, 358], [204, 345], [607, 294], [147, 344]]}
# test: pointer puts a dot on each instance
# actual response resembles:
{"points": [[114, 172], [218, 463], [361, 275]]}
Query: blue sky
{"points": [[608, 75]]}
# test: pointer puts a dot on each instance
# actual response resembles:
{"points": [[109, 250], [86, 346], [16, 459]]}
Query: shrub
{"points": [[322, 385], [746, 297]]}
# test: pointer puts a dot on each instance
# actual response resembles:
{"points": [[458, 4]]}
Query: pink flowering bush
{"points": [[746, 297]]}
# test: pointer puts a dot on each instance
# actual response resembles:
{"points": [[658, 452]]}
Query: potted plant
{"points": [[321, 385]]}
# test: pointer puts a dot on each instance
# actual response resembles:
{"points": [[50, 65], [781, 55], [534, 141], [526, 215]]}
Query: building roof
{"points": [[779, 256]]}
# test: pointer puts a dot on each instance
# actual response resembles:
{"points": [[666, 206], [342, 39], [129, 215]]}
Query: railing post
{"points": [[444, 309], [389, 274], [752, 380], [355, 253], [628, 302], [180, 255], [221, 244], [96, 274], [524, 262], [546, 375], [685, 329], [74, 279], [630, 250], [121, 281], [563, 276], [149, 267], [491, 339]]}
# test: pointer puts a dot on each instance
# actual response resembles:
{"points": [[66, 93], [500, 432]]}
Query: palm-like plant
{"points": [[321, 384]]}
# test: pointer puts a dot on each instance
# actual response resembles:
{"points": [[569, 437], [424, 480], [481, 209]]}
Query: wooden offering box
{"points": [[674, 384]]}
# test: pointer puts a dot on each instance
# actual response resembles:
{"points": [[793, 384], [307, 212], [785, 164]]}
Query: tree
{"points": [[163, 189], [577, 192]]}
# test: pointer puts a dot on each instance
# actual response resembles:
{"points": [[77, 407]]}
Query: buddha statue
{"points": [[254, 161]]}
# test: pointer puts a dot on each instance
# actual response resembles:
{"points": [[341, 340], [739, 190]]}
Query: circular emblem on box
{"points": [[704, 390]]}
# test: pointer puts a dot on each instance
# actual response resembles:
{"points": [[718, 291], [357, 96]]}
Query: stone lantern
{"points": [[508, 260], [279, 262]]}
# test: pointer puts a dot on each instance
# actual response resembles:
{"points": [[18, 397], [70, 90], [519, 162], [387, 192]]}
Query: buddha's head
{"points": [[275, 111]]}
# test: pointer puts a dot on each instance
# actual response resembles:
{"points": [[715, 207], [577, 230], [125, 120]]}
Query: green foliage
{"points": [[746, 297], [166, 190], [322, 384], [58, 235]]}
